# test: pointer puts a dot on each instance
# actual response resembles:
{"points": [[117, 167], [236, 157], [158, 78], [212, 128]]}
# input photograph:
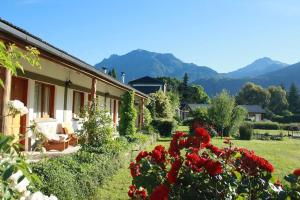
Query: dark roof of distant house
{"points": [[37, 42], [194, 106], [254, 108], [146, 80], [147, 89]]}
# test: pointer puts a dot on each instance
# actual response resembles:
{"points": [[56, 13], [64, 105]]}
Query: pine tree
{"points": [[114, 73], [185, 80], [294, 99]]}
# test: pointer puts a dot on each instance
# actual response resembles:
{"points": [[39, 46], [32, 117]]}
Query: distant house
{"points": [[255, 112], [185, 109], [148, 85]]}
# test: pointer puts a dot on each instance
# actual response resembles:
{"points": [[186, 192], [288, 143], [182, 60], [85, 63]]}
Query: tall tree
{"points": [[221, 110], [294, 99], [278, 100], [185, 80], [252, 94], [114, 73]]}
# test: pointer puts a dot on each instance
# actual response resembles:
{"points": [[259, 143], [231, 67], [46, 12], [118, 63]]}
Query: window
{"points": [[44, 100], [78, 103]]}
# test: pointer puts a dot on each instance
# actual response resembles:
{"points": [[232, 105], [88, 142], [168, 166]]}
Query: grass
{"points": [[284, 155]]}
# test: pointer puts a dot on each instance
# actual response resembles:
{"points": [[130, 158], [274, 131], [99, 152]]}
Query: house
{"points": [[255, 112], [148, 85], [186, 108], [62, 86]]}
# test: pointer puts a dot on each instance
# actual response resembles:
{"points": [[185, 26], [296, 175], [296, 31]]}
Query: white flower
{"points": [[40, 196], [37, 196], [16, 176], [23, 111], [22, 186], [16, 104]]}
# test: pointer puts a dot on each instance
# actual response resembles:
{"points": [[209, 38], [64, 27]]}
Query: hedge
{"points": [[78, 176], [266, 125], [165, 127], [287, 119], [245, 131]]}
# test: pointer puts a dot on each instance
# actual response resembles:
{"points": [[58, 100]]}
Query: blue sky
{"points": [[221, 34]]}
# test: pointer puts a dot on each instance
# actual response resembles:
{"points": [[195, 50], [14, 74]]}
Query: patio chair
{"points": [[53, 141], [69, 131]]}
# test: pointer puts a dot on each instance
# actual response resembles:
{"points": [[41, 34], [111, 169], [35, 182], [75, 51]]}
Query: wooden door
{"points": [[19, 88]]}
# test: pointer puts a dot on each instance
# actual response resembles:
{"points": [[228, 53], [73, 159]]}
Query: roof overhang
{"points": [[15, 34]]}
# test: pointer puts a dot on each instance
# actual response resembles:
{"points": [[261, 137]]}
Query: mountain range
{"points": [[263, 71]]}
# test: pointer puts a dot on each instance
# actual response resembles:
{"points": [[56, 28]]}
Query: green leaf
{"points": [[8, 172], [238, 175]]}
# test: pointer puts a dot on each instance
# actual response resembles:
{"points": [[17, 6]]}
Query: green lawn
{"points": [[284, 155]]}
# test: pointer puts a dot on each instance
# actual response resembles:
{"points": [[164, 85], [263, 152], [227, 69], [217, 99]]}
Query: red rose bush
{"points": [[193, 168]]}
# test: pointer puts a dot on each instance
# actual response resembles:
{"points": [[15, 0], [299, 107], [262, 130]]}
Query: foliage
{"points": [[160, 106], [174, 101], [128, 115], [278, 100], [192, 168], [294, 99], [221, 111], [252, 94], [147, 119], [201, 115], [286, 119], [266, 125], [196, 94], [165, 127], [238, 116], [97, 129], [246, 131], [75, 176], [172, 83], [11, 57]]}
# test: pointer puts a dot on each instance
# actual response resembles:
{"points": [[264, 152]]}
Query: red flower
{"points": [[213, 167], [173, 173], [131, 191], [137, 193], [194, 161], [160, 193], [297, 172], [159, 154], [141, 155], [134, 169], [178, 135], [203, 135], [214, 149]]}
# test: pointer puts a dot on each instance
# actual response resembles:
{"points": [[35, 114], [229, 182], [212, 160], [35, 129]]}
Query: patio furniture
{"points": [[69, 131], [53, 141]]}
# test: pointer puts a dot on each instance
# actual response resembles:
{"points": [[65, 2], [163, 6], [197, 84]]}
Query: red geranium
{"points": [[159, 154], [141, 155], [137, 193], [134, 169], [213, 167], [297, 172], [160, 193], [214, 149], [172, 174], [203, 135]]}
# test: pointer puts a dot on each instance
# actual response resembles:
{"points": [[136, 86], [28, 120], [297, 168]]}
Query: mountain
{"points": [[285, 76], [258, 67], [140, 63]]}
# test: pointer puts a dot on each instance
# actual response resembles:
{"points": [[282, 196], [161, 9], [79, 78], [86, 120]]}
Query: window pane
{"points": [[46, 106], [38, 100]]}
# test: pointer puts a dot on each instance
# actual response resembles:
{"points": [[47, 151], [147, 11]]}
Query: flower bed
{"points": [[192, 168]]}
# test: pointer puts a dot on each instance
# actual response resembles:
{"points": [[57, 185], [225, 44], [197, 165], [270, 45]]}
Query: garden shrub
{"points": [[97, 129], [287, 119], [128, 115], [75, 176], [266, 125], [192, 168], [165, 127], [246, 131]]}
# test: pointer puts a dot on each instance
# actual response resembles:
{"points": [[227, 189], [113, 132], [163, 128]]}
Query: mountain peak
{"points": [[258, 67], [139, 62]]}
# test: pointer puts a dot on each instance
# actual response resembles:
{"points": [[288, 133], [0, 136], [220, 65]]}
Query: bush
{"points": [[165, 127], [287, 119], [266, 125], [291, 127], [246, 131], [128, 115], [192, 168], [75, 176]]}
